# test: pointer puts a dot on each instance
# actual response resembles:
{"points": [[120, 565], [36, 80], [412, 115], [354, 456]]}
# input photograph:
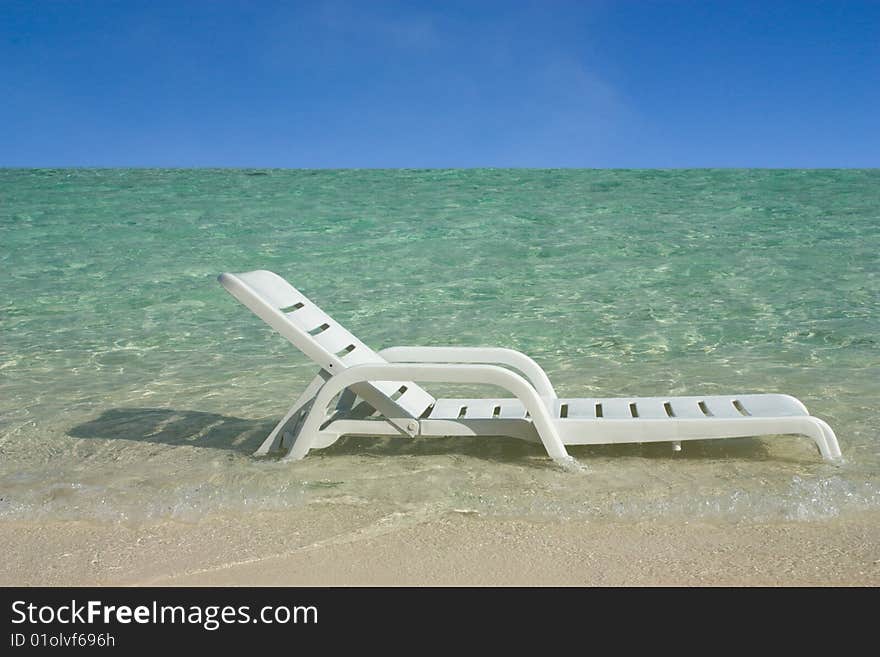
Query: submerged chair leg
{"points": [[274, 439], [550, 438], [312, 418], [824, 437]]}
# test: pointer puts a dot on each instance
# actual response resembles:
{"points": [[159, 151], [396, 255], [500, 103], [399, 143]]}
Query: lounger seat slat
{"points": [[686, 407], [616, 409], [579, 408], [651, 408], [511, 409], [722, 407], [450, 409], [481, 409]]}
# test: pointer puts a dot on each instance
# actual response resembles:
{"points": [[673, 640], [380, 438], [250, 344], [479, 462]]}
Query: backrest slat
{"points": [[307, 317], [335, 339], [326, 342]]}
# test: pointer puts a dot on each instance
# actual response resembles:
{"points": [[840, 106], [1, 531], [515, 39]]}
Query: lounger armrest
{"points": [[442, 373], [475, 355]]}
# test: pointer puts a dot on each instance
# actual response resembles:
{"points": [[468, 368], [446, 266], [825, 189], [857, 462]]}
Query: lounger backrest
{"points": [[313, 332]]}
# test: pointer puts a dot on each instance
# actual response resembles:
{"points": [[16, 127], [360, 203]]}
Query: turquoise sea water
{"points": [[133, 387]]}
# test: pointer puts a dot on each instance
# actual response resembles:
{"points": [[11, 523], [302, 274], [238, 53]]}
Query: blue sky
{"points": [[440, 84]]}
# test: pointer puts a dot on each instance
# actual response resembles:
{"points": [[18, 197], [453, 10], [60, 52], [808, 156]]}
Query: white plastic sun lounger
{"points": [[376, 394]]}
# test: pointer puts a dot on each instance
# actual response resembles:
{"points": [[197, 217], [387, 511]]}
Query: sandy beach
{"points": [[337, 546]]}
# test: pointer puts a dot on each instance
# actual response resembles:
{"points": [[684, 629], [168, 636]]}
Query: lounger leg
{"points": [[273, 441], [308, 430], [550, 438], [301, 446], [824, 438]]}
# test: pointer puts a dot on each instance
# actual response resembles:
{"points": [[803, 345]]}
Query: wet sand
{"points": [[336, 545]]}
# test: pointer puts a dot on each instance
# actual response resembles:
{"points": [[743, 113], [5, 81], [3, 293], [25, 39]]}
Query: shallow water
{"points": [[133, 387]]}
